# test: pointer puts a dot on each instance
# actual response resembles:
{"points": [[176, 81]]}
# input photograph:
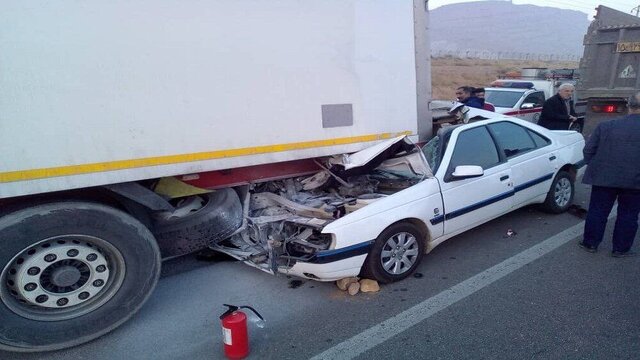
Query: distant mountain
{"points": [[499, 27]]}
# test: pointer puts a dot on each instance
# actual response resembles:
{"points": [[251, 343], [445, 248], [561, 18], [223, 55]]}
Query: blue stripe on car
{"points": [[440, 218], [478, 205], [327, 256], [533, 182]]}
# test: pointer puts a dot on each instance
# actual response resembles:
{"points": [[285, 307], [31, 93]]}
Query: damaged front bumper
{"points": [[331, 265], [324, 265]]}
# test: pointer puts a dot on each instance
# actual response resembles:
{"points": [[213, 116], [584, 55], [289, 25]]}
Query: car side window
{"points": [[512, 139], [536, 98], [474, 147], [540, 140]]}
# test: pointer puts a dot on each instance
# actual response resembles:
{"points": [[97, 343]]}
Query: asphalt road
{"points": [[481, 295]]}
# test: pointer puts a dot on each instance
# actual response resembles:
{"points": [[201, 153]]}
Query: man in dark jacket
{"points": [[465, 95], [558, 112], [479, 93], [613, 170]]}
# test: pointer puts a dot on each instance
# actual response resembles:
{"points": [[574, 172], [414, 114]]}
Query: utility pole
{"points": [[636, 10]]}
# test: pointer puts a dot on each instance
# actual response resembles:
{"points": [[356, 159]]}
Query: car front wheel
{"points": [[396, 253]]}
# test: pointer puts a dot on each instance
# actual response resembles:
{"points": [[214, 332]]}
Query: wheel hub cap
{"points": [[58, 274], [563, 192], [399, 253], [65, 276]]}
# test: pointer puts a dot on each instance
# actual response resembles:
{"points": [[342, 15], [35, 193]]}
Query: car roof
{"points": [[512, 119], [508, 89]]}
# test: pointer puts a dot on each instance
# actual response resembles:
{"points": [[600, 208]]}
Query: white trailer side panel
{"points": [[99, 92]]}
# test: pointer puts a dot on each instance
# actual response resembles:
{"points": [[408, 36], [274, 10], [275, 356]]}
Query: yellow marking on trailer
{"points": [[32, 174]]}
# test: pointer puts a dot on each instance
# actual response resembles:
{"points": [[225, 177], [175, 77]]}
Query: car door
{"points": [[472, 201], [528, 154], [531, 107]]}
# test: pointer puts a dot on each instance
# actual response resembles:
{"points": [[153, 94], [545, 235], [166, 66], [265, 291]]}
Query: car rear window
{"points": [[513, 139], [506, 99]]}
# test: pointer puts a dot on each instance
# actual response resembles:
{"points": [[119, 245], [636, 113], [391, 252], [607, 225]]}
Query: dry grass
{"points": [[449, 73]]}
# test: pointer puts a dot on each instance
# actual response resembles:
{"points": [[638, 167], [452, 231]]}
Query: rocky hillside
{"points": [[501, 27]]}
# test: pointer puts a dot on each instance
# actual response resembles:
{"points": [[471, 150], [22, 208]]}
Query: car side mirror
{"points": [[467, 171], [526, 106]]}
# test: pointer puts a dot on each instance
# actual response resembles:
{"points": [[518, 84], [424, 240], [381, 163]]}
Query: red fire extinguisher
{"points": [[234, 331]]}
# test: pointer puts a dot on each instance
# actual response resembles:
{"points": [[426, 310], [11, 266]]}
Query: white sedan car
{"points": [[377, 212], [525, 104]]}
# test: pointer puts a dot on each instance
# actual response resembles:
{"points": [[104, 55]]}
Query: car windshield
{"points": [[507, 99], [432, 153]]}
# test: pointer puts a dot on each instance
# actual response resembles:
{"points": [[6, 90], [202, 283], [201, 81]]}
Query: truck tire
{"points": [[71, 272], [560, 195], [395, 255], [220, 215]]}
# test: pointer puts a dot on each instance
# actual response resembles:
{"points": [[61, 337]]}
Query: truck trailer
{"points": [[610, 64], [129, 129]]}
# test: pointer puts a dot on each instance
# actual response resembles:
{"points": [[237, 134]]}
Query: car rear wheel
{"points": [[560, 195], [70, 272], [396, 253]]}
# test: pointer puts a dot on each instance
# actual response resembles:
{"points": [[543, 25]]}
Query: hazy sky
{"points": [[586, 6]]}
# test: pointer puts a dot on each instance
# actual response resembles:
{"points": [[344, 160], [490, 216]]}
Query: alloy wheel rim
{"points": [[562, 194], [399, 253]]}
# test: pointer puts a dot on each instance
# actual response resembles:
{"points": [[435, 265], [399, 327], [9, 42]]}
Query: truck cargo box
{"points": [[148, 89]]}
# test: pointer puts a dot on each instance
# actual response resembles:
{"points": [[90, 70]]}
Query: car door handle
{"points": [[504, 177], [552, 158]]}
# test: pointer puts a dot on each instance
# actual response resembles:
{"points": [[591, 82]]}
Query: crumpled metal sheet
{"points": [[274, 199]]}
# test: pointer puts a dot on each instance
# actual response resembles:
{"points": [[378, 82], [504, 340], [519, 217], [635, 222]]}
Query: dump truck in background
{"points": [[117, 119], [610, 64]]}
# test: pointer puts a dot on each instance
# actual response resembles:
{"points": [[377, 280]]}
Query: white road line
{"points": [[391, 327]]}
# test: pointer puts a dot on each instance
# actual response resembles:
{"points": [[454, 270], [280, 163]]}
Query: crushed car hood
{"points": [[363, 157]]}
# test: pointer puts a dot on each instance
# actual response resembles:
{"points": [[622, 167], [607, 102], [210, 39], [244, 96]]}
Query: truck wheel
{"points": [[396, 253], [560, 195], [198, 222], [71, 272]]}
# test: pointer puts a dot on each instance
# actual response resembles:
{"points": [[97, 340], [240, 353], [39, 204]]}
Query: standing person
{"points": [[612, 154], [558, 112], [479, 93], [465, 95]]}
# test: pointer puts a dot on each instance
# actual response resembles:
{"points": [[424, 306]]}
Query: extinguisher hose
{"points": [[254, 311], [233, 308]]}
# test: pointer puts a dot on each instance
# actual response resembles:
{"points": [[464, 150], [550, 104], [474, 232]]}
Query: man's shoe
{"points": [[620, 254], [587, 248]]}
